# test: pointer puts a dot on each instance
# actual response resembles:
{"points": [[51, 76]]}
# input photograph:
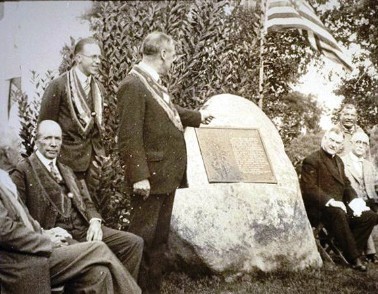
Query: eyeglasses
{"points": [[93, 57]]}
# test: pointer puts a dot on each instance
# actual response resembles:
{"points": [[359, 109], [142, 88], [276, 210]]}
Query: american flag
{"points": [[298, 14]]}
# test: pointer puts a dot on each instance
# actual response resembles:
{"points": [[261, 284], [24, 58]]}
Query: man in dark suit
{"points": [[54, 198], [32, 260], [75, 101], [152, 145], [329, 198]]}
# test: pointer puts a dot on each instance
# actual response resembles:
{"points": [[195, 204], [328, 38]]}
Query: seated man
{"points": [[328, 195], [55, 198], [33, 260], [362, 176]]}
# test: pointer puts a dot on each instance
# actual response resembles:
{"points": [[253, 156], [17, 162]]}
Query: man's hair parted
{"points": [[80, 44], [154, 42]]}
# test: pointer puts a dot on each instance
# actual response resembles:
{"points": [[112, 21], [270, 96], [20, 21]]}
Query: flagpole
{"points": [[262, 41]]}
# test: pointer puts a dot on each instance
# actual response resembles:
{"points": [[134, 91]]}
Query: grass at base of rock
{"points": [[328, 279]]}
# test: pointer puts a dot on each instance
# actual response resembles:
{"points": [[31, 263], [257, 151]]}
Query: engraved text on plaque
{"points": [[234, 155]]}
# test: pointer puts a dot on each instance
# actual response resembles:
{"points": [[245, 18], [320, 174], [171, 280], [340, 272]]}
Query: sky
{"points": [[36, 31], [33, 33]]}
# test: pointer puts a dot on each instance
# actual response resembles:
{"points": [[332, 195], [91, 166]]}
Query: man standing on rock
{"points": [[152, 146]]}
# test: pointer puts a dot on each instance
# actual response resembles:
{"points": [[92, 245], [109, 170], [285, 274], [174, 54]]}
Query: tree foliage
{"points": [[299, 114], [356, 22], [218, 46]]}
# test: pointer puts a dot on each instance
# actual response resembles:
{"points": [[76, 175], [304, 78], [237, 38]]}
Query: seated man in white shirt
{"points": [[54, 198], [362, 176]]}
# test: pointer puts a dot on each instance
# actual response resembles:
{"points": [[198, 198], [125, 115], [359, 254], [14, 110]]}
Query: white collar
{"points": [[355, 158], [151, 71], [82, 77], [44, 160]]}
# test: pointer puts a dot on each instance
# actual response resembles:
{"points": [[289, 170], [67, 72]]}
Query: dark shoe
{"points": [[372, 258], [358, 265]]}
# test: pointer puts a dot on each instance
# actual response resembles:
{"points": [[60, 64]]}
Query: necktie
{"points": [[87, 86], [55, 173], [165, 91]]}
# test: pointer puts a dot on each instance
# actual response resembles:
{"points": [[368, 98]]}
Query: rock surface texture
{"points": [[233, 228]]}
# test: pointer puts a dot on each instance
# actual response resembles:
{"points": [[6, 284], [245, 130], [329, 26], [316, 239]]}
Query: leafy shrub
{"points": [[302, 146], [218, 49]]}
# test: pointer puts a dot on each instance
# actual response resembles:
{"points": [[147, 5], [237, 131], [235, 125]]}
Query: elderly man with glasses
{"points": [[362, 176]]}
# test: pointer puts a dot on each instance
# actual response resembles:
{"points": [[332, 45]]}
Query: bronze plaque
{"points": [[234, 155]]}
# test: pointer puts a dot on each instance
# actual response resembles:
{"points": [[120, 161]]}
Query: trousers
{"points": [[88, 267]]}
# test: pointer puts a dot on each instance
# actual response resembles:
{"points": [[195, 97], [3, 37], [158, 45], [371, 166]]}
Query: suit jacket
{"points": [[42, 194], [370, 176], [16, 237], [151, 146], [321, 181], [77, 147]]}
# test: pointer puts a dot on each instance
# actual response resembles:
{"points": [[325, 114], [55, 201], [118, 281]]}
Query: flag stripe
{"points": [[298, 14], [281, 17]]}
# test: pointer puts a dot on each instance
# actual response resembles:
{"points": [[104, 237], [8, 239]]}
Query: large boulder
{"points": [[233, 228]]}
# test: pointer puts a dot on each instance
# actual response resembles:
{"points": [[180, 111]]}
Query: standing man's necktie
{"points": [[87, 86], [55, 173]]}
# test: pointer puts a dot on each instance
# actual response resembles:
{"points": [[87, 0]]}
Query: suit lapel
{"points": [[335, 171], [352, 168]]}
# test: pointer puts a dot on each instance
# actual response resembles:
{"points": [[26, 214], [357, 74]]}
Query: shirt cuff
{"points": [[329, 202]]}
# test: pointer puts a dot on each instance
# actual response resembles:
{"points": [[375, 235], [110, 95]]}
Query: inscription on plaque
{"points": [[234, 155]]}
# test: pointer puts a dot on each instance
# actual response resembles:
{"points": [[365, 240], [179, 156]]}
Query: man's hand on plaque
{"points": [[142, 188]]}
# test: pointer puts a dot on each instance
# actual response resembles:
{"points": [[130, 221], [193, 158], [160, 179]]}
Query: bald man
{"points": [[55, 198], [32, 260], [362, 176]]}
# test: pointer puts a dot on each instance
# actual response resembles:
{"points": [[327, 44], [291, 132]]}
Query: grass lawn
{"points": [[331, 278]]}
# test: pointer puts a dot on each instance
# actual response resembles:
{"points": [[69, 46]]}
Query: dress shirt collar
{"points": [[151, 71], [345, 130], [45, 161], [82, 77], [356, 158], [327, 154]]}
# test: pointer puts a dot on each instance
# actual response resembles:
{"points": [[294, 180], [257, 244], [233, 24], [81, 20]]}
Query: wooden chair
{"points": [[327, 247]]}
